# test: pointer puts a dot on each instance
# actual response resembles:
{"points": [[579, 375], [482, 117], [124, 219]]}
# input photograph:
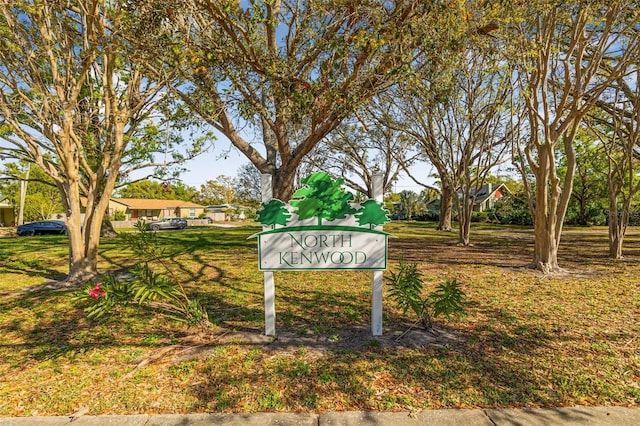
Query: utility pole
{"points": [[23, 195]]}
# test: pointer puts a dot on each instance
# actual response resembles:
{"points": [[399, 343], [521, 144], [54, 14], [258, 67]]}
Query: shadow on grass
{"points": [[46, 332], [498, 360], [374, 376], [22, 255], [508, 250]]}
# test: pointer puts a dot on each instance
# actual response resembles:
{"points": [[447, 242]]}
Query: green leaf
{"points": [[448, 299]]}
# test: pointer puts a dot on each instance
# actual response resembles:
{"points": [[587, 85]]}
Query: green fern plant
{"points": [[448, 299], [406, 289]]}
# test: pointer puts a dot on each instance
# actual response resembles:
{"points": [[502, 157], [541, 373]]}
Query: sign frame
{"points": [[323, 199]]}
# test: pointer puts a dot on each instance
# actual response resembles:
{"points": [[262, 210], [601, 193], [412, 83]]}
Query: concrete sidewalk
{"points": [[605, 416]]}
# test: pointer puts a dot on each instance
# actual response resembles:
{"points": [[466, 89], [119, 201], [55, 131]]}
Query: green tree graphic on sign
{"points": [[322, 197], [273, 213], [372, 213]]}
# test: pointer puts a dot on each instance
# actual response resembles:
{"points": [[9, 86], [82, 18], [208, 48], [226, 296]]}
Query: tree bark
{"points": [[545, 257], [618, 222], [107, 230], [283, 182], [446, 208], [547, 214], [464, 218], [83, 249], [615, 242]]}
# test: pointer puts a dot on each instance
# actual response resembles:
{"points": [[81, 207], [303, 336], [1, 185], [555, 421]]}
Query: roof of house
{"points": [[151, 204], [487, 190], [218, 208]]}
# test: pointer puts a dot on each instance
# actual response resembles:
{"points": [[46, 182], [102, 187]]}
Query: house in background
{"points": [[7, 213], [487, 196], [153, 209], [225, 212]]}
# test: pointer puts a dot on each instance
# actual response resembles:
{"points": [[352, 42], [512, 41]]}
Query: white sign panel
{"points": [[332, 247]]}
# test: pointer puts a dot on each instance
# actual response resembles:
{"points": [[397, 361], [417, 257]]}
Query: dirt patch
{"points": [[354, 339], [360, 339], [8, 233]]}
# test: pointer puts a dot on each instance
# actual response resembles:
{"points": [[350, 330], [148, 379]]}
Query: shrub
{"points": [[406, 288], [118, 215], [481, 217], [513, 210]]}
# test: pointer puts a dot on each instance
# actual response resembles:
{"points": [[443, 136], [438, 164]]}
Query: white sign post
{"points": [[376, 295], [269, 284]]}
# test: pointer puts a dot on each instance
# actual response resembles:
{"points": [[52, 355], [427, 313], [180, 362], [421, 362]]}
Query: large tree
{"points": [[472, 128], [566, 55], [479, 119], [286, 73], [73, 100], [423, 97], [462, 129], [221, 190], [616, 123], [358, 149]]}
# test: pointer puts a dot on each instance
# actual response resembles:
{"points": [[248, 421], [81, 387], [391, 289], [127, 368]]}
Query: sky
{"points": [[226, 160]]}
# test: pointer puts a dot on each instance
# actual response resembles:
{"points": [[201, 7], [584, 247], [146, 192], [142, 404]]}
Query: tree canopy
{"points": [[151, 189], [76, 100], [292, 71]]}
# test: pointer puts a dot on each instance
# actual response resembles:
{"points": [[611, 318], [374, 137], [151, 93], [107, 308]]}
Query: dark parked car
{"points": [[43, 227], [168, 223]]}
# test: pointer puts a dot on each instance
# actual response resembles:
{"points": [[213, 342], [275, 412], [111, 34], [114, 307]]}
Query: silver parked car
{"points": [[167, 223]]}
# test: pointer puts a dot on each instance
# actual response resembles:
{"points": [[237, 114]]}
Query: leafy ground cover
{"points": [[527, 340]]}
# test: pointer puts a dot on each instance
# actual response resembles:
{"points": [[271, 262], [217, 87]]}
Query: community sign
{"points": [[321, 228]]}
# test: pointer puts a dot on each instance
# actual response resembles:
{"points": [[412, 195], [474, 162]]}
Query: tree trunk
{"points": [[81, 270], [618, 222], [446, 208], [83, 249], [283, 181], [545, 252], [615, 242], [85, 228], [107, 230], [84, 240], [545, 256], [545, 216], [464, 218]]}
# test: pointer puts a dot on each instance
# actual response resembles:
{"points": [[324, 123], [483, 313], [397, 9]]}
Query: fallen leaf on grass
{"points": [[81, 412]]}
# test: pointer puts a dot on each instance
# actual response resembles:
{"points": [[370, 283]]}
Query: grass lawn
{"points": [[527, 340]]}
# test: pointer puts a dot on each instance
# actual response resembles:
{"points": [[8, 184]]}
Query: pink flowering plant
{"points": [[145, 288], [97, 291], [104, 297]]}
